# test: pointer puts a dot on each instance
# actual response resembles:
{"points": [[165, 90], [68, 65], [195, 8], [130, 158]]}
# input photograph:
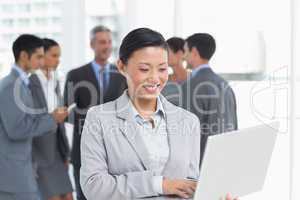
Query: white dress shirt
{"points": [[49, 89]]}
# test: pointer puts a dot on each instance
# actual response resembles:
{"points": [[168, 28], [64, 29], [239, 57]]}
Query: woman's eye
{"points": [[143, 69], [162, 69]]}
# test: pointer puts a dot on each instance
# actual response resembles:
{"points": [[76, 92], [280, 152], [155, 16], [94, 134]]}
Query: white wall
{"points": [[262, 102]]}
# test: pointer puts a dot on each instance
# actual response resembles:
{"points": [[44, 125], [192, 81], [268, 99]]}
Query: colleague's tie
{"points": [[103, 80]]}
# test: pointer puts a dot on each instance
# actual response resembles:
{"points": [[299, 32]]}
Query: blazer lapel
{"points": [[128, 128], [37, 92], [176, 139]]}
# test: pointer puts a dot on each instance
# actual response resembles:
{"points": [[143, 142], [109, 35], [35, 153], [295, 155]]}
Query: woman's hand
{"points": [[179, 187], [228, 198]]}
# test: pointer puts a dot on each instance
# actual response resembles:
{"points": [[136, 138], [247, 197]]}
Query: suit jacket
{"points": [[17, 128], [172, 92], [115, 161], [44, 147], [83, 89], [212, 99]]}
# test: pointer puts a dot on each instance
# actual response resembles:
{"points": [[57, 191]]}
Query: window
{"points": [[56, 5], [23, 22], [24, 8], [8, 23], [248, 40], [56, 20], [7, 8], [40, 6], [41, 21]]}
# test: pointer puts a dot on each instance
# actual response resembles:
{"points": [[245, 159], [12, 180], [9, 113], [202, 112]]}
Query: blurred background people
{"points": [[20, 122], [205, 93], [179, 73], [50, 151], [176, 59], [94, 83]]}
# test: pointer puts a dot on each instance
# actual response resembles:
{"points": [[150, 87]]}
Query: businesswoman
{"points": [[140, 145], [51, 151]]}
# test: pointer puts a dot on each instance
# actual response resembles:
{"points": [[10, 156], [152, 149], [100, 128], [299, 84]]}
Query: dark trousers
{"points": [[79, 192]]}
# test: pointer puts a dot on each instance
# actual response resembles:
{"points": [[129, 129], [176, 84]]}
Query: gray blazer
{"points": [[17, 128], [44, 147], [115, 162], [212, 99]]}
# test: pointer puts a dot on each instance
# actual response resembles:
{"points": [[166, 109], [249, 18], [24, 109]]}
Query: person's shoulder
{"points": [[187, 115], [180, 112], [104, 111], [7, 85], [211, 74], [80, 69], [113, 66], [6, 82], [114, 69], [210, 77]]}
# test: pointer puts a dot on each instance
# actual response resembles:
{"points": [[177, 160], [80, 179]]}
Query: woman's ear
{"points": [[121, 67]]}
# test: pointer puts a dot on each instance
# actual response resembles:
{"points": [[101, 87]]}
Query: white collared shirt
{"points": [[49, 89]]}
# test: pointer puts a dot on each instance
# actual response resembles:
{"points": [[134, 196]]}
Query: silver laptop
{"points": [[236, 162]]}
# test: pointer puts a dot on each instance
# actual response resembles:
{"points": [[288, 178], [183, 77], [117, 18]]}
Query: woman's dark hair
{"points": [[48, 43], [176, 44], [138, 39]]}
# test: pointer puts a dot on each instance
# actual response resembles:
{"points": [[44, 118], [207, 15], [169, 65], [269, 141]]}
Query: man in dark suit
{"points": [[94, 83], [205, 93]]}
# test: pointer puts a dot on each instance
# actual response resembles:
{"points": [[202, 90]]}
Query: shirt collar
{"points": [[43, 77], [159, 110], [96, 67], [23, 75], [199, 68]]}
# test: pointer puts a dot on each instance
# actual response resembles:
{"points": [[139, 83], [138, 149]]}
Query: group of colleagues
{"points": [[139, 132]]}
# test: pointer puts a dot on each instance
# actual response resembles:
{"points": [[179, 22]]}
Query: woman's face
{"points": [[52, 58], [147, 72]]}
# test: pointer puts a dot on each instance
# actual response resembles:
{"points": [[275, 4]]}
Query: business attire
{"points": [[50, 151], [88, 86], [19, 123], [126, 157], [211, 98], [173, 92]]}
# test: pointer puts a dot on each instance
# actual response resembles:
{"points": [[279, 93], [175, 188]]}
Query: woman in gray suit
{"points": [[51, 151], [140, 145]]}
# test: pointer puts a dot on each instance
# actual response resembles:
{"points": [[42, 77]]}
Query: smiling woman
{"points": [[140, 145]]}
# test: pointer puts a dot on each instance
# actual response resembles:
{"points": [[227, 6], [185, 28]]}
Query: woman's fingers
{"points": [[228, 198], [188, 187], [188, 190], [180, 187], [182, 194]]}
